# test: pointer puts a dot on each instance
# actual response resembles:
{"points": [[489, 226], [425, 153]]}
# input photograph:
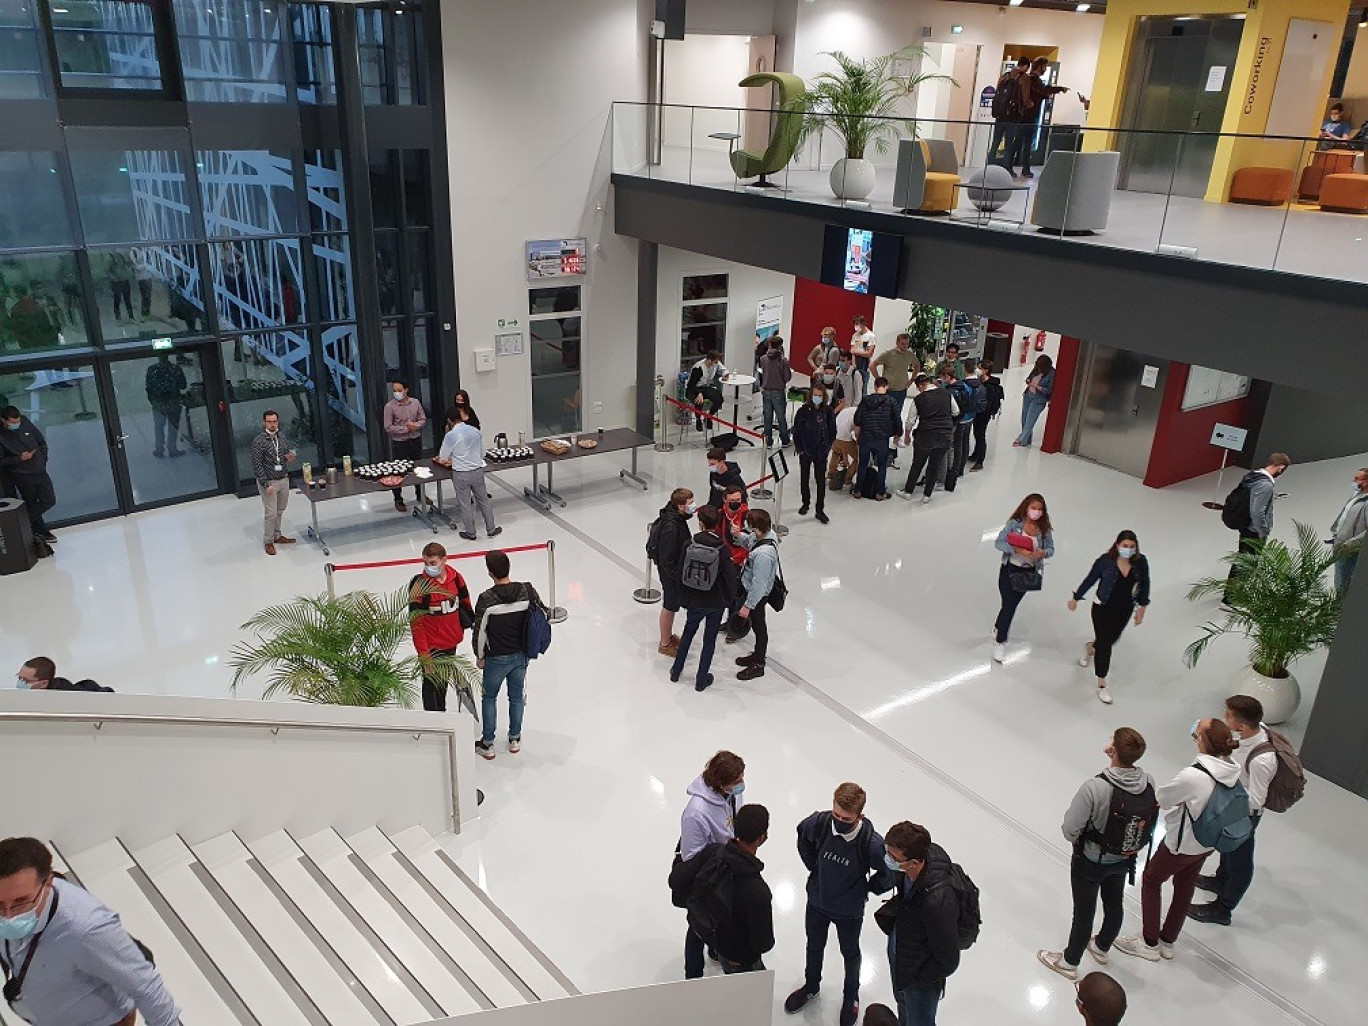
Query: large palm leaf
{"points": [[343, 651], [1279, 600]]}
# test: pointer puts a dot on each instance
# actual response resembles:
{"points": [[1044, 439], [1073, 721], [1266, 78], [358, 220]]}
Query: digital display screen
{"points": [[861, 260], [859, 242], [555, 258]]}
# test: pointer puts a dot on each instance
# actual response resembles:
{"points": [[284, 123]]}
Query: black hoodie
{"points": [[719, 483], [750, 933], [671, 541], [926, 936]]}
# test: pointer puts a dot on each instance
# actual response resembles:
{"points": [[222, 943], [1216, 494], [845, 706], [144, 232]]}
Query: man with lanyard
{"points": [[67, 959], [270, 454]]}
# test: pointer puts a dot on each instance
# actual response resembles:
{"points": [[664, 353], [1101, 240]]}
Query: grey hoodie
{"points": [[1092, 804], [1261, 503], [707, 819]]}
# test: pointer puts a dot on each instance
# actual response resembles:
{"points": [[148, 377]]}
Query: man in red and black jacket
{"points": [[439, 604]]}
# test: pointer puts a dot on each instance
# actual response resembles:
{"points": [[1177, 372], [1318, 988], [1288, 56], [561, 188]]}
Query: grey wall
{"points": [[1334, 745], [1305, 425]]}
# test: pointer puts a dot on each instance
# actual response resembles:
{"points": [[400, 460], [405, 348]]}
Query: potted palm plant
{"points": [[1280, 601], [861, 102], [344, 651]]}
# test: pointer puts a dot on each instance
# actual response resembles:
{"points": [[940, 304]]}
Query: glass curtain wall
{"points": [[155, 274]]}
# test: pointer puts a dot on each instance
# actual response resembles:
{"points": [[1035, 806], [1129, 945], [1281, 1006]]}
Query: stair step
{"points": [[169, 865], [105, 871], [319, 972], [379, 971], [331, 855], [427, 856], [375, 849]]}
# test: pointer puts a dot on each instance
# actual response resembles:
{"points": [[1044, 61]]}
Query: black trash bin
{"points": [[1064, 137], [998, 348], [17, 551]]}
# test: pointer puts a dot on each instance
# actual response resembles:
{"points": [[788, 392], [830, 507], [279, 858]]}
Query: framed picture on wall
{"points": [[555, 258]]}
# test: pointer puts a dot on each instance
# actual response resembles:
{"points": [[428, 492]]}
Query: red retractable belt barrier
{"points": [[699, 412]]}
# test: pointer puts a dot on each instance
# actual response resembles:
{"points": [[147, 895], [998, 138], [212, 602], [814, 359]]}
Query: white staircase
{"points": [[316, 930]]}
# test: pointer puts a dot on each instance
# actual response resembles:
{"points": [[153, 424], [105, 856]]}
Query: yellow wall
{"points": [[1247, 112]]}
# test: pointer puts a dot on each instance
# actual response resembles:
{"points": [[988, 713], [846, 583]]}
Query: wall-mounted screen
{"points": [[555, 258], [861, 260]]}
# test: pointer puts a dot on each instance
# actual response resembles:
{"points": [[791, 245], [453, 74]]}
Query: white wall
{"points": [[734, 17], [702, 71], [529, 86]]}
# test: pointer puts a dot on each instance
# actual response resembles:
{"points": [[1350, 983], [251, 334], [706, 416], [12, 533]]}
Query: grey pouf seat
{"points": [[990, 188], [1075, 192]]}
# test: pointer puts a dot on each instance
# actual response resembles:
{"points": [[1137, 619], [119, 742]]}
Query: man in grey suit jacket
{"points": [[1350, 527]]}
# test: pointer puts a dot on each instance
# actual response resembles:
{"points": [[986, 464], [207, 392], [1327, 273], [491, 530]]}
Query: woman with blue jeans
{"points": [[1039, 385]]}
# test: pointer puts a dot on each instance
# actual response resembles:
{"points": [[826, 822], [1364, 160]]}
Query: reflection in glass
{"points": [[147, 292], [270, 371], [256, 283], [32, 212], [389, 347], [407, 81], [246, 192], [131, 195], [555, 360], [162, 413], [417, 193], [704, 286], [561, 299], [703, 327], [346, 406], [106, 44], [427, 374], [383, 189], [326, 188], [419, 265], [387, 271], [230, 52], [64, 406], [21, 74], [42, 303], [311, 28], [332, 264], [370, 40]]}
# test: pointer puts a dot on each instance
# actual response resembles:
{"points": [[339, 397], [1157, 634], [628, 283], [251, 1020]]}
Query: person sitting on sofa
{"points": [[1336, 129]]}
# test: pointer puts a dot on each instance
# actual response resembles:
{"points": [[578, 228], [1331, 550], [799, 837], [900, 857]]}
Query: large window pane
{"points": [[419, 248], [21, 74], [63, 404], [257, 283], [147, 292], [165, 425], [247, 192], [43, 304], [132, 195], [370, 38], [106, 44], [346, 399], [311, 27], [387, 272], [429, 379], [270, 371], [559, 299], [407, 77], [327, 190], [231, 51], [704, 286], [32, 212], [417, 189], [332, 264], [384, 189]]}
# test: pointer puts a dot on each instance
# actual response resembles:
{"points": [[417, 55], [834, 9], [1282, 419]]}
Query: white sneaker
{"points": [[1166, 951], [999, 653], [1099, 956], [1135, 945], [514, 745], [925, 499], [903, 493], [1086, 658], [1055, 960], [1103, 695]]}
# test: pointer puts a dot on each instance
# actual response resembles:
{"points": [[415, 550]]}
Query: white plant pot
{"points": [[852, 178], [1280, 698]]}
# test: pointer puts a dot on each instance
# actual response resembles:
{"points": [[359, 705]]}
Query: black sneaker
{"points": [[703, 685], [803, 510], [850, 1013], [494, 533], [1208, 883], [752, 671], [48, 537], [822, 518], [468, 537], [799, 998], [745, 660], [674, 677], [1211, 912]]}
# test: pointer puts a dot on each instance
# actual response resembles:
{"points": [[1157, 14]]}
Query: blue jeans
{"points": [[816, 924], [497, 669], [693, 955], [1032, 406], [1236, 871], [711, 620], [1344, 570], [776, 408], [917, 1007], [876, 450]]}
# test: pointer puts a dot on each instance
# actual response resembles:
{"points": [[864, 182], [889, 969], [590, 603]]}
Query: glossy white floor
{"points": [[880, 674]]}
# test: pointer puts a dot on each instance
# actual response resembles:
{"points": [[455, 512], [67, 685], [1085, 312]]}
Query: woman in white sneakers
{"points": [[1123, 591]]}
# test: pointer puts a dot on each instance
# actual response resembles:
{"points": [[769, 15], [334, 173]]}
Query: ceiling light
{"points": [[1014, 3], [1083, 8]]}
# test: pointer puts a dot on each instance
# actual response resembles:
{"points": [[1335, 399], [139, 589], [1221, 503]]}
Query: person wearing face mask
{"points": [[1180, 854], [67, 959], [863, 344], [709, 579], [993, 396], [850, 383], [722, 474], [40, 674], [1349, 530], [1109, 822], [439, 613], [1252, 517], [844, 856], [1123, 591], [845, 450], [23, 460], [734, 510], [463, 452], [666, 541], [775, 375], [823, 353], [921, 920], [704, 387], [757, 582], [1025, 541], [709, 817], [271, 455], [814, 433], [404, 420], [1336, 128], [462, 402]]}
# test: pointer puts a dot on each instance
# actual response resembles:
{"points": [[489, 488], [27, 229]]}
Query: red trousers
{"points": [[1184, 869]]}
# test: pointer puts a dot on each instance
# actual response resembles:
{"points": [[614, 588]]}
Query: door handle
{"points": [[1196, 118], [1135, 411]]}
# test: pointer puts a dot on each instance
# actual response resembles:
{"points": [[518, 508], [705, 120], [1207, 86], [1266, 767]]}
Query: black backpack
{"points": [[995, 395], [711, 899], [1235, 509], [967, 924], [1130, 822], [653, 541], [778, 593], [1007, 99]]}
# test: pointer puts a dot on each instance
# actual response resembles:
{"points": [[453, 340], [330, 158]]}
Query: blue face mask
{"points": [[15, 426], [737, 791], [22, 684], [817, 400], [888, 861], [433, 571], [1125, 553]]}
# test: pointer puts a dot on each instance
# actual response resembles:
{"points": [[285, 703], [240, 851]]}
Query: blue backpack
{"points": [[1224, 823], [536, 630], [968, 400]]}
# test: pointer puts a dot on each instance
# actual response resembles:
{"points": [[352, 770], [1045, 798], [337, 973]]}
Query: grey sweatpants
{"points": [[274, 496], [469, 486]]}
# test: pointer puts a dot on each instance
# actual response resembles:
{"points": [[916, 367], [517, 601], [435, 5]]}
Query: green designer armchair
{"points": [[784, 135]]}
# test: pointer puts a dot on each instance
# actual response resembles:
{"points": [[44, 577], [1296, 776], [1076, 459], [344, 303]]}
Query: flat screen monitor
{"points": [[555, 258], [861, 260]]}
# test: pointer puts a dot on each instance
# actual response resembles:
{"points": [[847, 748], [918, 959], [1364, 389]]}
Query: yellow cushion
{"points": [[940, 191]]}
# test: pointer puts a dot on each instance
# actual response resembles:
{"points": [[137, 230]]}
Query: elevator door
{"points": [[1117, 409]]}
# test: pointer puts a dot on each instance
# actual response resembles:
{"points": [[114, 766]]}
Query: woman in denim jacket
{"points": [[1039, 386], [1030, 521], [1123, 590]]}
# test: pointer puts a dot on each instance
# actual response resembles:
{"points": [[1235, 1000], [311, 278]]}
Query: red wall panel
{"points": [[816, 306], [1182, 442], [1066, 368]]}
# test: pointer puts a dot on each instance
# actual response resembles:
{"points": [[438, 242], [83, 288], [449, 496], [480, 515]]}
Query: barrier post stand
{"points": [[780, 529], [762, 492], [647, 595], [554, 613], [664, 444], [328, 573]]}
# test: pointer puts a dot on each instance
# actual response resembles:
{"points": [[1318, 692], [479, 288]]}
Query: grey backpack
{"points": [[702, 566]]}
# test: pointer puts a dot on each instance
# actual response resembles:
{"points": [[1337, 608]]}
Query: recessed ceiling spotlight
{"points": [[1083, 8], [1014, 3]]}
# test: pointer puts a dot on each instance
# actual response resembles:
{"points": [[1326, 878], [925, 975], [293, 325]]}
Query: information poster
{"points": [[768, 314], [555, 258]]}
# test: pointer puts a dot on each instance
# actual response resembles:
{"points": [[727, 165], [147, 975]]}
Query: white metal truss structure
{"points": [[231, 52]]}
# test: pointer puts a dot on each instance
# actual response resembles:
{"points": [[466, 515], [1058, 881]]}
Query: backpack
{"points": [[653, 541], [966, 398], [1007, 99], [967, 894], [1235, 509], [1289, 779], [702, 566], [1130, 822], [1224, 824], [536, 629], [710, 901], [778, 593], [993, 397]]}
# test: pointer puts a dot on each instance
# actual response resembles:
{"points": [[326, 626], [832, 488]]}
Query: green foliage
{"points": [[860, 100], [1281, 602], [342, 651], [922, 327]]}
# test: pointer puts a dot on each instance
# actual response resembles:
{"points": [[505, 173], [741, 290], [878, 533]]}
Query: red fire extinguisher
{"points": [[1040, 341], [1025, 346]]}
